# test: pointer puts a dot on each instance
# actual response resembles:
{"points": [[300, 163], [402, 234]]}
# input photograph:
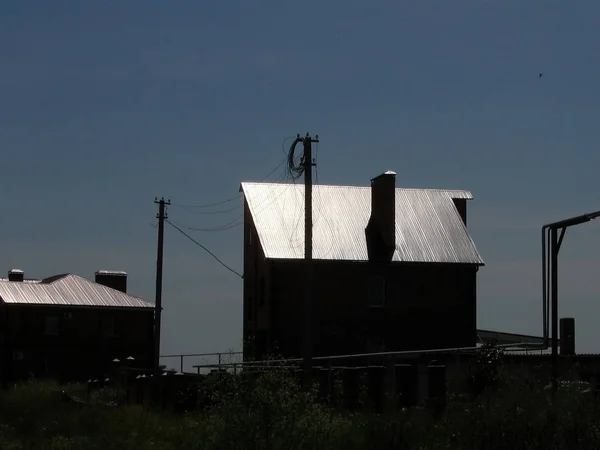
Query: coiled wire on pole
{"points": [[295, 166]]}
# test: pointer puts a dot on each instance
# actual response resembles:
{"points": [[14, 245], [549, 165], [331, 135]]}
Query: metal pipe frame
{"points": [[551, 243]]}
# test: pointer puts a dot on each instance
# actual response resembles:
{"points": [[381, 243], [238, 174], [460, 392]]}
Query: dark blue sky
{"points": [[105, 105]]}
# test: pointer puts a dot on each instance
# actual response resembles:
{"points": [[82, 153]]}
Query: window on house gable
{"points": [[108, 327], [376, 291], [51, 326]]}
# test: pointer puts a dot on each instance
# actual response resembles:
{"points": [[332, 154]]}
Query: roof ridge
{"points": [[107, 287], [53, 278], [339, 186]]}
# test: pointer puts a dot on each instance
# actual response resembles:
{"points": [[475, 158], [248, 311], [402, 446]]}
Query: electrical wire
{"points": [[283, 148], [295, 167], [239, 220], [204, 248], [221, 211], [207, 205], [317, 164], [229, 200], [293, 170], [320, 202]]}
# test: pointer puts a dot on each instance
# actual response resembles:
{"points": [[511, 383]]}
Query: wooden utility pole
{"points": [[161, 216], [308, 249]]}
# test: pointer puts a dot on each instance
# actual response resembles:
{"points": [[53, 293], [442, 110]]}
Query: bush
{"points": [[272, 412]]}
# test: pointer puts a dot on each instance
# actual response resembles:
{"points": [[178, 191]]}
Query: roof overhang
{"points": [[149, 308], [508, 338]]}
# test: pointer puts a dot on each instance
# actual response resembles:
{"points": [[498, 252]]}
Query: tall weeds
{"points": [[272, 412]]}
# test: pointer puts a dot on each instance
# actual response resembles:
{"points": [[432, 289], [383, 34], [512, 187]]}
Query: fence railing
{"points": [[219, 359], [233, 360], [327, 362]]}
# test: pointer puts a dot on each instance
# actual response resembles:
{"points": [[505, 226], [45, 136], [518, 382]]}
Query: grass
{"points": [[273, 413]]}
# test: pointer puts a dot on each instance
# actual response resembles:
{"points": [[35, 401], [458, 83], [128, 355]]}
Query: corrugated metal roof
{"points": [[428, 225], [67, 290]]}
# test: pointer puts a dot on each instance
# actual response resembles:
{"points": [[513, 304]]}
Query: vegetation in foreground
{"points": [[273, 413]]}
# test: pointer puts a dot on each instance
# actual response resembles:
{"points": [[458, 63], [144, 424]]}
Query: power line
{"points": [[320, 202], [231, 224], [208, 205], [232, 199], [239, 219], [282, 162], [295, 167], [204, 248], [222, 211]]}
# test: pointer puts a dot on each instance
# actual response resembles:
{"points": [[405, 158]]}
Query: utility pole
{"points": [[161, 216], [308, 248]]}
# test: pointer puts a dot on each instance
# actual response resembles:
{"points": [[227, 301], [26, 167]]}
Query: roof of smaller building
{"points": [[66, 290]]}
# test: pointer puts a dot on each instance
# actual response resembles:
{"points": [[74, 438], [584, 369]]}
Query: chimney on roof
{"points": [[16, 275], [381, 229], [114, 279]]}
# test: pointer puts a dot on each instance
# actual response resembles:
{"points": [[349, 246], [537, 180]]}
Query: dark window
{"points": [[51, 326], [376, 291], [262, 292], [108, 327]]}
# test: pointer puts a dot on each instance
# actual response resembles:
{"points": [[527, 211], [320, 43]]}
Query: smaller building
{"points": [[68, 328]]}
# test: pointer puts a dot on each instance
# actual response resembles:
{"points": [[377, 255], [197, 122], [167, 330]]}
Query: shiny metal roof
{"points": [[428, 225], [66, 290]]}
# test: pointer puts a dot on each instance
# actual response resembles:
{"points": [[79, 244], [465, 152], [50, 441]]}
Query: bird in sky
{"points": [[541, 75]]}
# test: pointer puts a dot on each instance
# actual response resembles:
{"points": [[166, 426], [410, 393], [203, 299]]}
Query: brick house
{"points": [[68, 328], [394, 269]]}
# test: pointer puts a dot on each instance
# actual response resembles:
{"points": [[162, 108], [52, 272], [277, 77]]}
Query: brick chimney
{"points": [[113, 279], [381, 229], [16, 275]]}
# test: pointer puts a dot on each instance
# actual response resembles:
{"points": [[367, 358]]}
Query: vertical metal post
{"points": [[219, 361], [554, 300], [329, 383], [181, 364]]}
